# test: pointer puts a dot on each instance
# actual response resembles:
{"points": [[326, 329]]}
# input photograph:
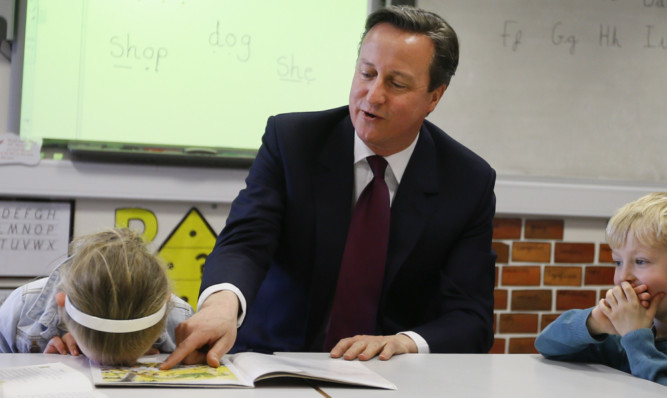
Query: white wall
{"points": [[534, 103]]}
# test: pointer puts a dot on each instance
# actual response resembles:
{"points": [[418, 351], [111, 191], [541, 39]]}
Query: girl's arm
{"points": [[10, 313]]}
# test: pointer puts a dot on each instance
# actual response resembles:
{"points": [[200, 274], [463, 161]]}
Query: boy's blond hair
{"points": [[644, 218], [112, 275]]}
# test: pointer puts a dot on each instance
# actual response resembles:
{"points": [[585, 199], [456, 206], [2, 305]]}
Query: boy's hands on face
{"points": [[643, 295], [62, 345], [630, 308], [598, 323]]}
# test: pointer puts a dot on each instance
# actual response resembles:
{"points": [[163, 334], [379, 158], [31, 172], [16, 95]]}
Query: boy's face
{"points": [[639, 264]]}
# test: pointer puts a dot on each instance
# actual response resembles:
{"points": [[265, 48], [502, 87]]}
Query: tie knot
{"points": [[378, 165]]}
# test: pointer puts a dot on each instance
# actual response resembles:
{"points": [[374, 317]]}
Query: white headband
{"points": [[113, 325]]}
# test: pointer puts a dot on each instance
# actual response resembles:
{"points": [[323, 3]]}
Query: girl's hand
{"points": [[152, 351], [62, 345]]}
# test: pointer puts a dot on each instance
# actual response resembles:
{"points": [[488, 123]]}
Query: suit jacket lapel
{"points": [[413, 204], [333, 183]]}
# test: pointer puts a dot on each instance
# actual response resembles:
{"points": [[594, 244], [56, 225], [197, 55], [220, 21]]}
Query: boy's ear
{"points": [[60, 299]]}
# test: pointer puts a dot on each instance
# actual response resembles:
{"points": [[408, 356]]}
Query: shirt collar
{"points": [[397, 162]]}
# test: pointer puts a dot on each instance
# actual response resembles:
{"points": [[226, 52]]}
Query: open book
{"points": [[53, 380], [238, 370]]}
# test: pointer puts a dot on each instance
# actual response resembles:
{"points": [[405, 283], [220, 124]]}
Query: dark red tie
{"points": [[357, 296]]}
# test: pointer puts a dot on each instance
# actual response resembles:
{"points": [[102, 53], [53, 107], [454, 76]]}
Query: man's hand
{"points": [[626, 310], [366, 347], [62, 345], [209, 334]]}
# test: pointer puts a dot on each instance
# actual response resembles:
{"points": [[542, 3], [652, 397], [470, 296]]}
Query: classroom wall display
{"points": [[34, 236], [204, 73], [180, 234], [568, 88], [185, 251]]}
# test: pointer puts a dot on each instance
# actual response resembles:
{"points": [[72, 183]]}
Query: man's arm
{"points": [[464, 299], [208, 334], [241, 257]]}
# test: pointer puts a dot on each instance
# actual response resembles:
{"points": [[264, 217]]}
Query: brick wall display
{"points": [[539, 275]]}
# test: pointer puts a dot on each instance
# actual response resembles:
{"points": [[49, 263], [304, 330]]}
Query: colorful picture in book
{"points": [[149, 373]]}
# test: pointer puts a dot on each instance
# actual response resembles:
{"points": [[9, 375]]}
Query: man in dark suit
{"points": [[275, 266]]}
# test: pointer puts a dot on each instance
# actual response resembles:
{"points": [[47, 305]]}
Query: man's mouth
{"points": [[370, 115]]}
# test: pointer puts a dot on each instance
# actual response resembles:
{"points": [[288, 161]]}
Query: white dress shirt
{"points": [[392, 176]]}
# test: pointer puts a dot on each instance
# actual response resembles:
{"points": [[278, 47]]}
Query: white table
{"points": [[415, 375], [500, 376]]}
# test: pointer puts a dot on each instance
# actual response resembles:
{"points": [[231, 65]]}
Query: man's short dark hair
{"points": [[446, 55]]}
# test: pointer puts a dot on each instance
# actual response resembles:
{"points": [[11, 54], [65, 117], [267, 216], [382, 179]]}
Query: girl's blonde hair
{"points": [[644, 218], [112, 275]]}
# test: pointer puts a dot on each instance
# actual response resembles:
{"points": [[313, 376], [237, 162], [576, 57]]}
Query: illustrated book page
{"points": [[238, 370]]}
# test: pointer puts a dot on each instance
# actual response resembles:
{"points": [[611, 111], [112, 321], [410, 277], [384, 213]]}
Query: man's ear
{"points": [[436, 95], [60, 299]]}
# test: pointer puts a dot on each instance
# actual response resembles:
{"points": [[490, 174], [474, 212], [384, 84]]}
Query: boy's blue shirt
{"points": [[29, 317], [637, 353]]}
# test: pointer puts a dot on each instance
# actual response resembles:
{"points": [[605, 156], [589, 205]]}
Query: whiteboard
{"points": [[560, 88], [188, 73]]}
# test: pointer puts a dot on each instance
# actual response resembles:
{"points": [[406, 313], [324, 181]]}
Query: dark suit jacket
{"points": [[283, 241]]}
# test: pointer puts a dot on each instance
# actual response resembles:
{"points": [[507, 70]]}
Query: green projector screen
{"points": [[191, 73]]}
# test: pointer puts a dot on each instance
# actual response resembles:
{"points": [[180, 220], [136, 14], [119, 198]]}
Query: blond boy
{"points": [[627, 330]]}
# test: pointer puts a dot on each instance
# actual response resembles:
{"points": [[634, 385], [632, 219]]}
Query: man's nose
{"points": [[376, 92]]}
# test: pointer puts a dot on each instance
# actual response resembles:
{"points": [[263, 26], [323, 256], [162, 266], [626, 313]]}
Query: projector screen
{"points": [[191, 73]]}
